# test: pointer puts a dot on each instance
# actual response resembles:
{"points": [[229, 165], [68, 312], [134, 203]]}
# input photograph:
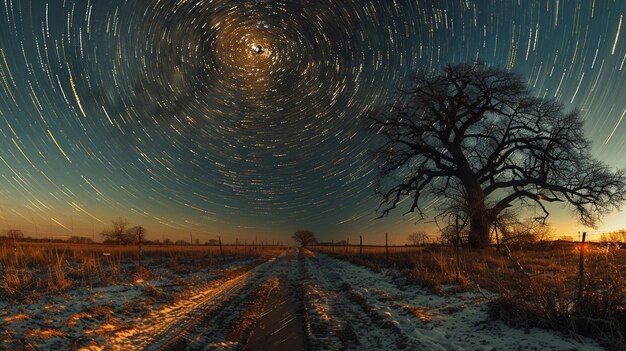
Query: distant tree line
{"points": [[18, 235], [618, 236]]}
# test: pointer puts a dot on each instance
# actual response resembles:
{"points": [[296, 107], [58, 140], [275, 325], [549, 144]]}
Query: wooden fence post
{"points": [[581, 269], [139, 234], [457, 243], [386, 248], [219, 238], [49, 251], [458, 260], [360, 246], [17, 260]]}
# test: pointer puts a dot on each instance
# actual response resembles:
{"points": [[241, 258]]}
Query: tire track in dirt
{"points": [[345, 316], [252, 311], [280, 326], [411, 318], [173, 327]]}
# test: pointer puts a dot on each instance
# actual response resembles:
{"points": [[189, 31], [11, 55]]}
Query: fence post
{"points": [[457, 243], [17, 259], [139, 234], [219, 238], [386, 248], [360, 246], [49, 251], [581, 269], [458, 259], [332, 245]]}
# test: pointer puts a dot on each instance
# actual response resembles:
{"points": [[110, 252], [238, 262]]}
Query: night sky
{"points": [[239, 118]]}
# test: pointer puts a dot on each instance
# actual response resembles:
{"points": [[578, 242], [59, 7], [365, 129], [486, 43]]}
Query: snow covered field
{"points": [[353, 308], [340, 306]]}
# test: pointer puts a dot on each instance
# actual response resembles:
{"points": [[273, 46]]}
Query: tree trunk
{"points": [[480, 224]]}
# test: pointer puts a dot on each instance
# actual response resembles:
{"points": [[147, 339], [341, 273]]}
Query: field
{"points": [[539, 286], [58, 296]]}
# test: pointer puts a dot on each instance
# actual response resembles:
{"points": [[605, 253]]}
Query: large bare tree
{"points": [[476, 141], [304, 237]]}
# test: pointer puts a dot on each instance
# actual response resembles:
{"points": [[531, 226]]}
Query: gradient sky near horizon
{"points": [[238, 118]]}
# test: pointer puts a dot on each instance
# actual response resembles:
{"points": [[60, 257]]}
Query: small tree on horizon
{"points": [[121, 234], [617, 236], [474, 138], [417, 238], [304, 237], [510, 230], [137, 233], [15, 234]]}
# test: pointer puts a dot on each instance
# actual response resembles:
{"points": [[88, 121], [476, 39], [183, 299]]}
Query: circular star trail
{"points": [[242, 116]]}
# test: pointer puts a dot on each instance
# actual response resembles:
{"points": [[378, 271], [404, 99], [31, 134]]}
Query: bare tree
{"points": [[474, 138], [618, 236], [15, 234], [417, 238], [304, 237], [136, 234], [508, 229], [121, 234], [80, 239]]}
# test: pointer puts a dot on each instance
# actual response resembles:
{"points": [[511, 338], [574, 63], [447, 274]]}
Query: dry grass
{"points": [[31, 269], [538, 286]]}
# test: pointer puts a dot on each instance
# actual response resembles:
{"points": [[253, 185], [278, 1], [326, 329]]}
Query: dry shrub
{"points": [[16, 283], [554, 301], [57, 280], [112, 274], [142, 273]]}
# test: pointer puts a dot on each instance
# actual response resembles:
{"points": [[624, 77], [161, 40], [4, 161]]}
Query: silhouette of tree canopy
{"points": [[15, 234], [417, 238], [136, 233], [476, 141], [304, 237], [121, 234]]}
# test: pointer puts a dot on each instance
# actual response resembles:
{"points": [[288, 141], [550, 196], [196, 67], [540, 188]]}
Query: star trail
{"points": [[240, 117]]}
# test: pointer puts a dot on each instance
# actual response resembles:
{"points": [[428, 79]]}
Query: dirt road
{"points": [[304, 301]]}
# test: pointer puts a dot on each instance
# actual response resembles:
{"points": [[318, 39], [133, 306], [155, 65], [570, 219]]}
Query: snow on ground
{"points": [[215, 337], [162, 326], [351, 307], [82, 318], [343, 307]]}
